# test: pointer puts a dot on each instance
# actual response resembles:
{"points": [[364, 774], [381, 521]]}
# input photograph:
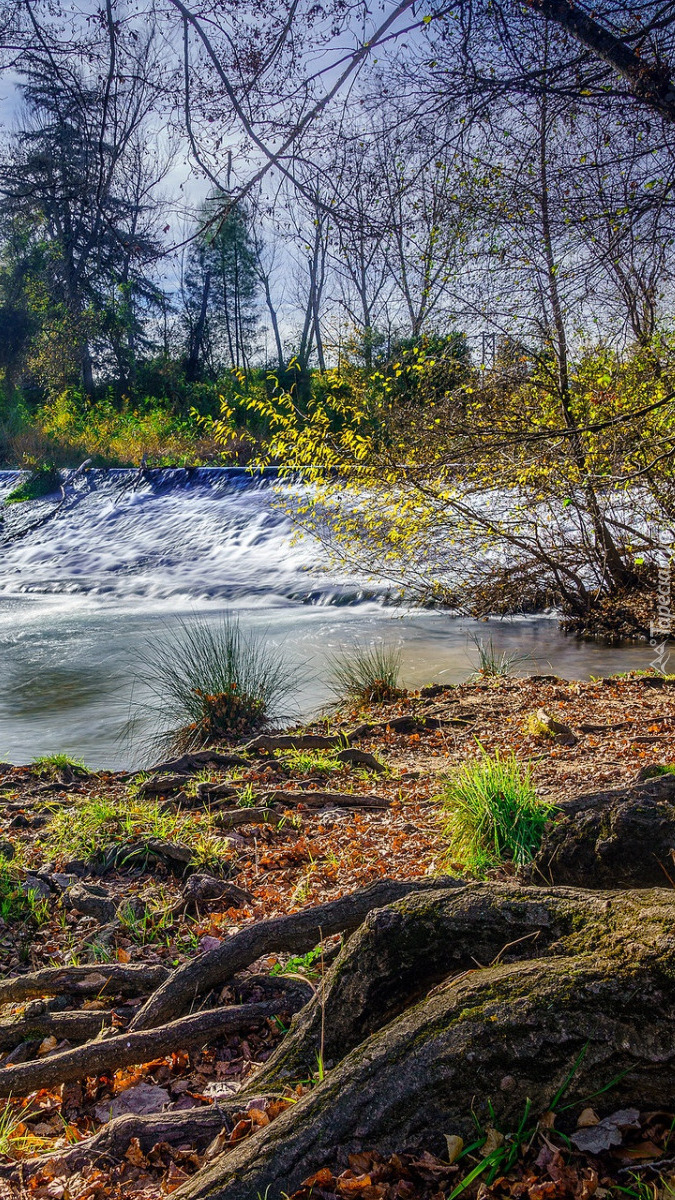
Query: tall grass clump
{"points": [[492, 814], [366, 674], [491, 663], [214, 682]]}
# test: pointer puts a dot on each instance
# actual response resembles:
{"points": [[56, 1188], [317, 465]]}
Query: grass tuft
{"points": [[492, 814], [17, 904], [366, 674], [50, 764], [492, 663], [214, 683]]}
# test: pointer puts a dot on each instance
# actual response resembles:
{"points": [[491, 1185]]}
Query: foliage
{"points": [[366, 674], [214, 682], [48, 764], [536, 728], [304, 963], [15, 903], [44, 480], [499, 496], [323, 762], [15, 1137], [491, 814]]}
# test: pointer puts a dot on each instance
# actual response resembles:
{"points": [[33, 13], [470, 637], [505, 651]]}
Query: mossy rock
{"points": [[616, 839]]}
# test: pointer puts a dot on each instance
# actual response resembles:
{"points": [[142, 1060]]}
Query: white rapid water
{"points": [[84, 586]]}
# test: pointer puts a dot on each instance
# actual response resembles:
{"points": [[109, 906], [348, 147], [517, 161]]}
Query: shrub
{"points": [[42, 481], [366, 674], [213, 683], [492, 814]]}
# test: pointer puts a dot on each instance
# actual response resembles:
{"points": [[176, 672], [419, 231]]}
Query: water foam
{"points": [[180, 535]]}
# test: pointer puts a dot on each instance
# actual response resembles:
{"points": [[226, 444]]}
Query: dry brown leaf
{"points": [[135, 1155]]}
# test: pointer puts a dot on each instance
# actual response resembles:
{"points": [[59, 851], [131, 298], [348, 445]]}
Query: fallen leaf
{"points": [[493, 1141], [587, 1119], [143, 1098], [135, 1155], [455, 1146]]}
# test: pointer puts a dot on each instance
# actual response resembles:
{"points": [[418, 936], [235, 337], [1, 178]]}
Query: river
{"points": [[86, 583]]}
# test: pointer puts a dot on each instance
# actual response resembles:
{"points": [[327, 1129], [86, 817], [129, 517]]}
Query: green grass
{"points": [[366, 674], [13, 1134], [214, 683], [321, 762], [490, 663], [49, 764], [101, 822], [17, 905], [42, 481], [300, 964], [492, 814], [659, 769]]}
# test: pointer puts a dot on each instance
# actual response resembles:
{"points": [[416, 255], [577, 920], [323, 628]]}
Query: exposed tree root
{"points": [[266, 743], [248, 816], [298, 932], [110, 979], [596, 1009], [402, 951], [317, 799], [197, 1126], [127, 1048], [75, 1026]]}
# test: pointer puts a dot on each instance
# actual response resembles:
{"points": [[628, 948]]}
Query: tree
{"points": [[92, 216], [221, 290]]}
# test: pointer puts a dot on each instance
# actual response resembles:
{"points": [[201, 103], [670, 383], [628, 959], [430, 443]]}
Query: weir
{"points": [[86, 581]]}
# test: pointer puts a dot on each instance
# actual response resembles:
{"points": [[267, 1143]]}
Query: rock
{"points": [[93, 901], [299, 741], [140, 854], [172, 851], [62, 880], [76, 866], [189, 763], [211, 791], [160, 785], [39, 887], [199, 889], [207, 943], [360, 758], [6, 851], [559, 732], [618, 839], [435, 689]]}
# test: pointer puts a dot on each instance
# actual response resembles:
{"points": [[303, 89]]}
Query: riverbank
{"points": [[107, 871]]}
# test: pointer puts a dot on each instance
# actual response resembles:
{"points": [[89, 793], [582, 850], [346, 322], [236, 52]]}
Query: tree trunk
{"points": [[588, 1005], [197, 339]]}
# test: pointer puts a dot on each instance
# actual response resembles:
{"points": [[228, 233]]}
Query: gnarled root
{"points": [[595, 1005]]}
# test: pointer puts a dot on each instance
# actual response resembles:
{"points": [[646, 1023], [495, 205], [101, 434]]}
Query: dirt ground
{"points": [[62, 827]]}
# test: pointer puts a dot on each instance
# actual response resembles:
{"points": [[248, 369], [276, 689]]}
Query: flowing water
{"points": [[87, 581]]}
